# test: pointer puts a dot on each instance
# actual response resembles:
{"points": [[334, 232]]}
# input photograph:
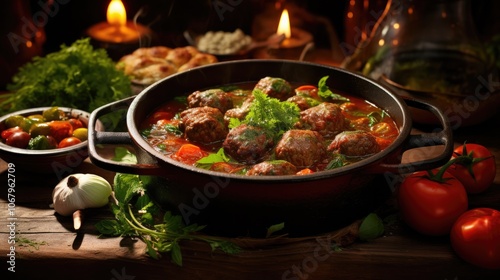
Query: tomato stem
{"points": [[467, 160], [438, 177]]}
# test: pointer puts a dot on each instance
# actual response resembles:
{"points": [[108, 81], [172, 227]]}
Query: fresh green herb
{"points": [[272, 115], [25, 242], [162, 146], [234, 122], [77, 76], [274, 228], [181, 99], [173, 129], [311, 102], [338, 160], [206, 162], [325, 92], [373, 117], [376, 117], [122, 154], [280, 85], [371, 227], [336, 247], [146, 132], [137, 215]]}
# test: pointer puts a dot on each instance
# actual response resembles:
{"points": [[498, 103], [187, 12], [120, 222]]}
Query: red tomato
{"points": [[19, 139], [189, 154], [475, 167], [8, 132], [69, 141], [475, 237], [52, 141], [308, 90], [431, 207], [76, 123], [60, 129]]}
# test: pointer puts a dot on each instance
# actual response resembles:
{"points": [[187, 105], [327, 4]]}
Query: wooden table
{"points": [[47, 248]]}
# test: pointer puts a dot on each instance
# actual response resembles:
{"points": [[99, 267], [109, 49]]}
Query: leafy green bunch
{"points": [[137, 215], [271, 114], [76, 76]]}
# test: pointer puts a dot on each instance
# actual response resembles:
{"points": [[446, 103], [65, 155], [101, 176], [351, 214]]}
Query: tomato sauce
{"points": [[163, 129]]}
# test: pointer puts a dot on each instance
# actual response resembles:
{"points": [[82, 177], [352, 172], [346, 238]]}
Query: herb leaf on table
{"points": [[137, 215]]}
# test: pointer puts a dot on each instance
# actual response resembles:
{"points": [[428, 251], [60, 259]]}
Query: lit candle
{"points": [[117, 29], [294, 37]]}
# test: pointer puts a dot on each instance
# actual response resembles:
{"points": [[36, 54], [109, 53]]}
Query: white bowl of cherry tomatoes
{"points": [[44, 139]]}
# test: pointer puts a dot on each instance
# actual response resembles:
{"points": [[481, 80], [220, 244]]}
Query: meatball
{"points": [[303, 102], [275, 167], [326, 118], [215, 98], [239, 112], [248, 144], [275, 87], [302, 148], [203, 124], [354, 143]]}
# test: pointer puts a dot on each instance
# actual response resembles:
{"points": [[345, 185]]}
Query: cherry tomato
{"points": [[60, 129], [69, 141], [40, 129], [475, 167], [18, 120], [53, 114], [52, 141], [189, 154], [19, 139], [475, 237], [8, 132], [75, 123], [42, 142], [37, 118], [81, 133], [431, 203]]}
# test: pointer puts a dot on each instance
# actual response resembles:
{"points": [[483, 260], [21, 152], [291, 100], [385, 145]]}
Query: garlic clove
{"points": [[80, 191]]}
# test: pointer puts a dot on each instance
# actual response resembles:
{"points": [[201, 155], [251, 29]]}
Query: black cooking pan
{"points": [[237, 204]]}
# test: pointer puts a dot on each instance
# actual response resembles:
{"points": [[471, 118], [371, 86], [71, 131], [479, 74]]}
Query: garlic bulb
{"points": [[80, 191]]}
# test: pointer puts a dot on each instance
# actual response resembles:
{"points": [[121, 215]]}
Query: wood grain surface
{"points": [[48, 248]]}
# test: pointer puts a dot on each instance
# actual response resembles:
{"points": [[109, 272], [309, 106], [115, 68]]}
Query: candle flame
{"points": [[116, 14], [284, 25]]}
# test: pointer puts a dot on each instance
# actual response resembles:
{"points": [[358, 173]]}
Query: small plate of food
{"points": [[229, 45], [150, 64]]}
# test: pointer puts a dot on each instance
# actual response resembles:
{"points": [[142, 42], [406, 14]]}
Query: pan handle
{"points": [[147, 165], [442, 137]]}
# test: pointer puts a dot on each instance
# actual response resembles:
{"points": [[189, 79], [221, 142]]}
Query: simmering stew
{"points": [[272, 127]]}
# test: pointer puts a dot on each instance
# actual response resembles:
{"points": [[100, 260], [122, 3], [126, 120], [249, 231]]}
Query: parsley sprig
{"points": [[137, 215], [77, 76], [271, 114], [325, 92]]}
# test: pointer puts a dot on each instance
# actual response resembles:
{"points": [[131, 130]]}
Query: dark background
{"points": [[69, 19], [169, 18]]}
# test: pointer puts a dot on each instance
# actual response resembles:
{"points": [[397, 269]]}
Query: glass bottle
{"points": [[427, 46]]}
